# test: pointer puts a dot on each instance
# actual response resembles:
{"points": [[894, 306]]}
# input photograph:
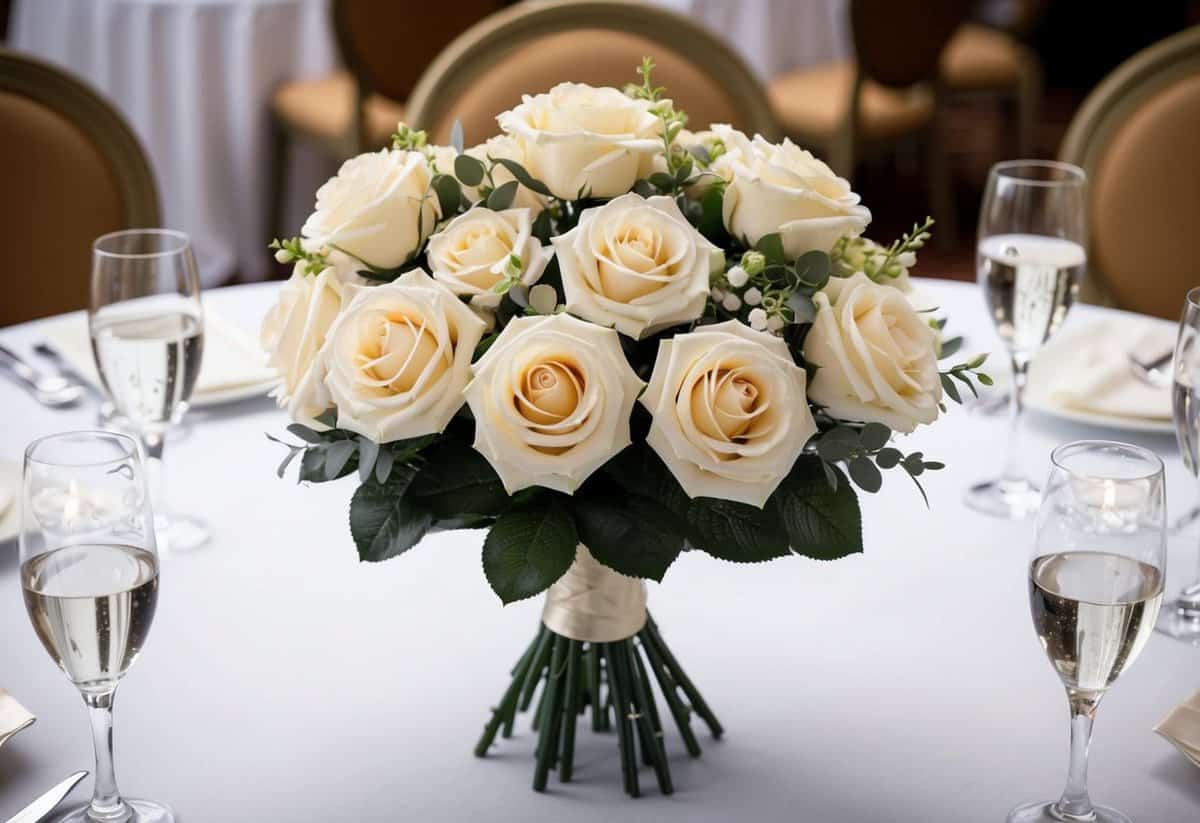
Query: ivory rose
{"points": [[378, 208], [506, 147], [577, 137], [294, 330], [551, 399], [636, 264], [398, 357], [729, 411], [783, 188], [876, 358], [476, 250]]}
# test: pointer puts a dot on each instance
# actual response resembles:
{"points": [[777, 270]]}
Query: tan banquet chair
{"points": [[72, 171], [1138, 137], [533, 46], [886, 94]]}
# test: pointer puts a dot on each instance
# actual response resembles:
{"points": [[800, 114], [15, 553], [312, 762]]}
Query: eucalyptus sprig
{"points": [[291, 250], [766, 290], [680, 163], [865, 451], [963, 372], [855, 254]]}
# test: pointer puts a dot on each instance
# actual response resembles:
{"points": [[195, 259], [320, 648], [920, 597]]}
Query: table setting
{"points": [[653, 369]]}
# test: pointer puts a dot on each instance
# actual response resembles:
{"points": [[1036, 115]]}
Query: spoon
{"points": [[53, 391]]}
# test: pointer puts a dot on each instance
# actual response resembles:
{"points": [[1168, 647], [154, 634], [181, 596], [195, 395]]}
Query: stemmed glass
{"points": [[89, 574], [1030, 256], [1095, 585], [147, 329], [1181, 618]]}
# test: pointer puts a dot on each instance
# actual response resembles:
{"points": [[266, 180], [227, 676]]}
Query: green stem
{"points": [[541, 659], [508, 703], [651, 734], [693, 694], [624, 729], [550, 705], [669, 689], [570, 712]]}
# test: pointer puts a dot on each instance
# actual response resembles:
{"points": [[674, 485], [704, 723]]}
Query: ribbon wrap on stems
{"points": [[593, 603]]}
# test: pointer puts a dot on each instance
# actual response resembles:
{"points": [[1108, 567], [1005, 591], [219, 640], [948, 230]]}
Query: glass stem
{"points": [[153, 441], [1075, 803], [106, 799], [1016, 399], [1189, 599]]}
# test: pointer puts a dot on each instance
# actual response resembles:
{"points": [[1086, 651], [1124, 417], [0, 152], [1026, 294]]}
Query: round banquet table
{"points": [[194, 78], [285, 681]]}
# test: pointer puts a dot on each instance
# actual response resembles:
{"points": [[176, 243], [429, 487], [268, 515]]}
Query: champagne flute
{"points": [[147, 329], [1030, 257], [89, 575], [1181, 618], [1095, 585]]}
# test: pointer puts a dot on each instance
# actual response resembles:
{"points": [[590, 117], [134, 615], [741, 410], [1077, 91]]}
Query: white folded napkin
{"points": [[13, 716], [1181, 727], [232, 357], [1089, 370], [8, 495]]}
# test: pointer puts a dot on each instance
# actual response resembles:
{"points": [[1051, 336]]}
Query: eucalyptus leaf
{"points": [[874, 436], [888, 458], [812, 269], [502, 196], [528, 548], [950, 389], [662, 180], [337, 456], [448, 192], [524, 177], [644, 188], [712, 221], [950, 347], [771, 245], [368, 453], [865, 474], [469, 170], [305, 433]]}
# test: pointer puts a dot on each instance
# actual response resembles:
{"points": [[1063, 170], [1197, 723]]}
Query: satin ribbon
{"points": [[595, 604]]}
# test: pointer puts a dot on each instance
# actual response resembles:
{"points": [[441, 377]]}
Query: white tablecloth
{"points": [[775, 36], [285, 682], [194, 78]]}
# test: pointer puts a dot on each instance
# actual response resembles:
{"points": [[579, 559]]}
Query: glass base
{"points": [[1179, 622], [180, 532], [1007, 498], [1049, 813], [140, 811]]}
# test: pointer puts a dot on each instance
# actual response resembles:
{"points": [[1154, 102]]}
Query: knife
{"points": [[45, 804]]}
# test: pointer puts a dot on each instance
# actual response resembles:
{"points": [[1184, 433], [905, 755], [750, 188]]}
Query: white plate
{"points": [[1038, 397], [10, 483]]}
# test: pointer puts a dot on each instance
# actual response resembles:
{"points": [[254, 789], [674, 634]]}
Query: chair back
{"points": [[1136, 136], [531, 47], [899, 44], [386, 44], [72, 171]]}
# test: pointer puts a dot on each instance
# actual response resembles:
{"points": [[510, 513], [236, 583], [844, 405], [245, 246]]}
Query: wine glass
{"points": [[1181, 618], [89, 575], [1095, 585], [1030, 256], [147, 329]]}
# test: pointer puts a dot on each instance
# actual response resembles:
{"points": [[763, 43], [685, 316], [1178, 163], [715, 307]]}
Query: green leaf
{"points": [[874, 436], [368, 453], [543, 226], [662, 180], [684, 171], [449, 193], [635, 536], [949, 347], [888, 458], [384, 520], [914, 465], [642, 473], [337, 456], [771, 245], [383, 465], [823, 523], [865, 474], [468, 170], [833, 449], [712, 221], [528, 548], [812, 269], [950, 389], [524, 177], [502, 196], [305, 433], [327, 418], [736, 531], [983, 378], [458, 480]]}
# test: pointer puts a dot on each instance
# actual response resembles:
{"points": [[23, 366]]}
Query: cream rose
{"points": [[636, 264], [552, 399], [398, 357], [729, 410], [294, 330], [476, 250], [378, 208], [505, 147], [876, 358], [783, 188], [576, 137]]}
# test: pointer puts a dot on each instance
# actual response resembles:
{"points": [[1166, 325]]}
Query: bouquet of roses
{"points": [[605, 340]]}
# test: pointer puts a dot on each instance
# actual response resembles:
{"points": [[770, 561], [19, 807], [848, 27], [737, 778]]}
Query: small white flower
{"points": [[737, 277], [774, 323], [758, 319], [543, 299], [283, 256], [717, 294], [731, 302], [752, 296]]}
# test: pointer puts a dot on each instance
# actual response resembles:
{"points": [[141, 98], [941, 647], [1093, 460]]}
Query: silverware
{"points": [[1152, 372], [45, 804], [48, 389]]}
